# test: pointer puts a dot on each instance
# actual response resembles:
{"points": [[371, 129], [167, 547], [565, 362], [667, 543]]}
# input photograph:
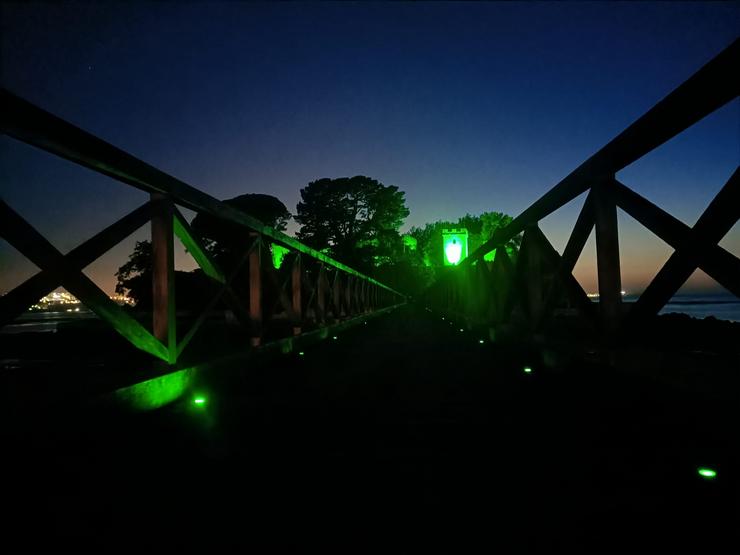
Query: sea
{"points": [[723, 306]]}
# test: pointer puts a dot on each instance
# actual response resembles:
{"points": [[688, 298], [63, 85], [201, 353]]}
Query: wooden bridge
{"points": [[338, 415]]}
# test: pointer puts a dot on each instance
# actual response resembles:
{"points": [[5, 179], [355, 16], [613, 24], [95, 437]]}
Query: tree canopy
{"points": [[223, 239], [480, 229], [355, 219], [135, 276]]}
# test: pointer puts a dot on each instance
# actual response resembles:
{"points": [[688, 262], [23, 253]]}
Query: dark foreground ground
{"points": [[404, 435]]}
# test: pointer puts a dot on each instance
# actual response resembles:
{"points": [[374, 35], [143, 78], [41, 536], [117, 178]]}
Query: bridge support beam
{"points": [[255, 289], [607, 253], [164, 316], [296, 294]]}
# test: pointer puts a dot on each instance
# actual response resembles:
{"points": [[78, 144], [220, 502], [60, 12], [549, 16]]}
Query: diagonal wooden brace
{"points": [[38, 250], [14, 303]]}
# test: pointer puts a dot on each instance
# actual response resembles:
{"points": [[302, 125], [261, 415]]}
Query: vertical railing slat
{"points": [[607, 254], [164, 315]]}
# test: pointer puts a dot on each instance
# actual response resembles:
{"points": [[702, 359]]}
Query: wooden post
{"points": [[349, 305], [607, 254], [337, 295], [296, 297], [530, 273], [164, 316], [255, 289], [360, 294], [321, 294]]}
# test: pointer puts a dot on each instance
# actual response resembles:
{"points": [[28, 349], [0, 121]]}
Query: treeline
{"points": [[355, 220]]}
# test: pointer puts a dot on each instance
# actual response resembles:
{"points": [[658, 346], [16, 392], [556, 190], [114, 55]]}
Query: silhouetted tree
{"points": [[135, 276], [225, 240], [135, 281], [355, 219]]}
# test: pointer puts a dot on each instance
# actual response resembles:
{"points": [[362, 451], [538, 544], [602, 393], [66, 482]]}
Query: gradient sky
{"points": [[465, 107]]}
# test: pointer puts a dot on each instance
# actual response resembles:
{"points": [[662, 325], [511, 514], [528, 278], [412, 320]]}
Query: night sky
{"points": [[465, 107]]}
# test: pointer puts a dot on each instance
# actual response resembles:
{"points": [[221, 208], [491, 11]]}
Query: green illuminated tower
{"points": [[454, 246]]}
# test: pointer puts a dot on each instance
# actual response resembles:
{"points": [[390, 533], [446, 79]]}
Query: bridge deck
{"points": [[402, 435]]}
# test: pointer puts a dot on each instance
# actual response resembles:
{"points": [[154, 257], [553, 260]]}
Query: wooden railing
{"points": [[310, 290], [486, 293]]}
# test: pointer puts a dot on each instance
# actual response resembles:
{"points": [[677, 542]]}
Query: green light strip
{"points": [[182, 230], [156, 392]]}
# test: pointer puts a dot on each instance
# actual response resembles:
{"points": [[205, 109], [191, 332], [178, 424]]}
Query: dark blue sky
{"points": [[466, 107]]}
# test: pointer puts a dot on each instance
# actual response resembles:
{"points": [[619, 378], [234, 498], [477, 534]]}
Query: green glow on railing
{"points": [[182, 230], [156, 392], [707, 473]]}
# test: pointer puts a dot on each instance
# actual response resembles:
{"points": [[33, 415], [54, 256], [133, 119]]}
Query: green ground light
{"points": [[707, 473], [199, 401], [527, 370], [301, 353]]}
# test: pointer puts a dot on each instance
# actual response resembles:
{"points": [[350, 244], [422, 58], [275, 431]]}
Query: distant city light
{"points": [[301, 353], [707, 473], [334, 337], [527, 370], [58, 300], [481, 341], [596, 295]]}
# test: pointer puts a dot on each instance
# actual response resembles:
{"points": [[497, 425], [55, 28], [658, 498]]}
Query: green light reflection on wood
{"points": [[156, 392]]}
